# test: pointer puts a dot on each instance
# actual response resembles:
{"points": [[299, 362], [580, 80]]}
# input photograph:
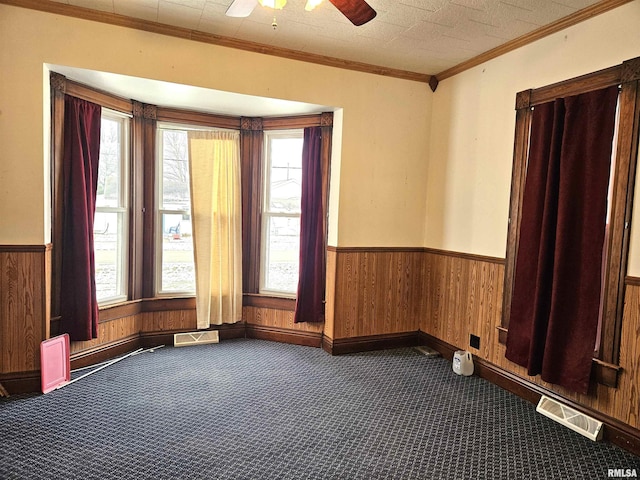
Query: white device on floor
{"points": [[463, 363]]}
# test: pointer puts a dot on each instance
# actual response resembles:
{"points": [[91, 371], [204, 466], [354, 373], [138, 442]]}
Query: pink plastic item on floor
{"points": [[55, 365]]}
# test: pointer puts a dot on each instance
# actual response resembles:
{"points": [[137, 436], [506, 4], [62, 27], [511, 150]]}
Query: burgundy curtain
{"points": [[556, 297], [78, 304], [310, 296]]}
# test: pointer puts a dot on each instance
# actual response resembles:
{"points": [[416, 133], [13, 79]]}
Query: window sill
{"points": [[601, 372]]}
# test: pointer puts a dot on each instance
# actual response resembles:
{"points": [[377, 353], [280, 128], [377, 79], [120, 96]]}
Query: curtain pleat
{"points": [[216, 216], [556, 298], [311, 281], [78, 303]]}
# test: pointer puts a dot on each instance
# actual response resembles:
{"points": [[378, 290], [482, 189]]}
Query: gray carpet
{"points": [[251, 409]]}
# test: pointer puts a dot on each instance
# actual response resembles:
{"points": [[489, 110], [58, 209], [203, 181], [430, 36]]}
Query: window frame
{"points": [[266, 214], [252, 130], [123, 208], [627, 76], [159, 212]]}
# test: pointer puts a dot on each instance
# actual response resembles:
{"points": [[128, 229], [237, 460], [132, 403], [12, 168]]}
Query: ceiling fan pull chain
{"points": [[275, 23]]}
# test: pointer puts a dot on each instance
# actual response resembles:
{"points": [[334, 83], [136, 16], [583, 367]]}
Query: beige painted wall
{"points": [[469, 174], [380, 198]]}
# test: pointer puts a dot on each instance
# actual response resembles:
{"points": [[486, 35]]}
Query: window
{"points": [[111, 217], [606, 356], [175, 266], [271, 224], [281, 212]]}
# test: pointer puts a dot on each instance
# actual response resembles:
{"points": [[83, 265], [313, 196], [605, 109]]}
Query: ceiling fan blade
{"points": [[241, 8], [358, 11]]}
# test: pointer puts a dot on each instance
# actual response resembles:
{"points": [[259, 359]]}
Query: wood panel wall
{"points": [[269, 317], [377, 291], [168, 321], [110, 333], [131, 327], [24, 305], [156, 323], [464, 296], [330, 293], [160, 325]]}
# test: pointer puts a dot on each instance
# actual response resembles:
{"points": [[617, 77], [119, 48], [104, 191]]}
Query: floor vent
{"points": [[576, 421], [427, 351], [195, 338]]}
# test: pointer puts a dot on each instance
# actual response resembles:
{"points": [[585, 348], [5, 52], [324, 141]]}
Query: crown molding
{"points": [[210, 38], [565, 22]]}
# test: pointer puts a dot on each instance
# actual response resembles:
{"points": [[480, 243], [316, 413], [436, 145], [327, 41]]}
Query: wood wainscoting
{"points": [[24, 307], [464, 296], [374, 292], [368, 343], [115, 337], [277, 325]]}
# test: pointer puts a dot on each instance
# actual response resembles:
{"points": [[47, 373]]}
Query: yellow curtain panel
{"points": [[216, 216]]}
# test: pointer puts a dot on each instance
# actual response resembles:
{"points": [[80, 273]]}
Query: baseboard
{"points": [[341, 346], [284, 335], [21, 382], [104, 352], [327, 344], [234, 330], [165, 337], [615, 431], [445, 349]]}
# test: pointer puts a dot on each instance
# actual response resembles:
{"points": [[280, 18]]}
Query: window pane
{"points": [[175, 171], [109, 174], [281, 252], [285, 175], [109, 254], [175, 258], [111, 218], [178, 272]]}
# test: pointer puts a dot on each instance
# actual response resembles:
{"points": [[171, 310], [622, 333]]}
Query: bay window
{"points": [[143, 245]]}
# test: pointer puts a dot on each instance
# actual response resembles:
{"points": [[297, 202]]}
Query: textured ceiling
{"points": [[423, 36]]}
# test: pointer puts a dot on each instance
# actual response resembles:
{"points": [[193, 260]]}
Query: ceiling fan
{"points": [[357, 11]]}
